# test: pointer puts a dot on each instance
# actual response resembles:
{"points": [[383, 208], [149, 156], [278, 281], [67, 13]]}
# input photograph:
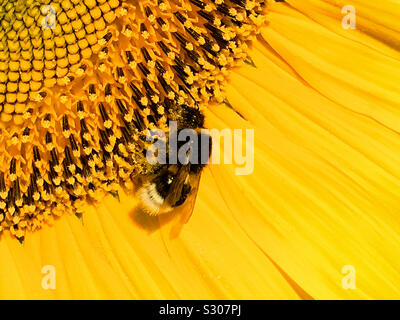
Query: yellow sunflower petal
{"points": [[327, 166], [377, 23], [345, 71], [114, 255], [323, 195]]}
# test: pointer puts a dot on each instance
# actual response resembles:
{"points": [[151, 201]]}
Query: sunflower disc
{"points": [[81, 82]]}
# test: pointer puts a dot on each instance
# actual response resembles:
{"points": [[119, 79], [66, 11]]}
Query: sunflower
{"points": [[81, 84]]}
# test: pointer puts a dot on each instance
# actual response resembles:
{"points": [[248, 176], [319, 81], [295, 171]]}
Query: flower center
{"points": [[81, 81], [42, 44]]}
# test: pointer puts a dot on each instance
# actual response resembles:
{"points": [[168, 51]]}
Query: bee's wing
{"points": [[177, 186], [185, 211]]}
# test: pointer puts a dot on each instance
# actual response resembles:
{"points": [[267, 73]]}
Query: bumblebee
{"points": [[175, 184]]}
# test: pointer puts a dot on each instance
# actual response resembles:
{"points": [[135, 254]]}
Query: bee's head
{"points": [[172, 183]]}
